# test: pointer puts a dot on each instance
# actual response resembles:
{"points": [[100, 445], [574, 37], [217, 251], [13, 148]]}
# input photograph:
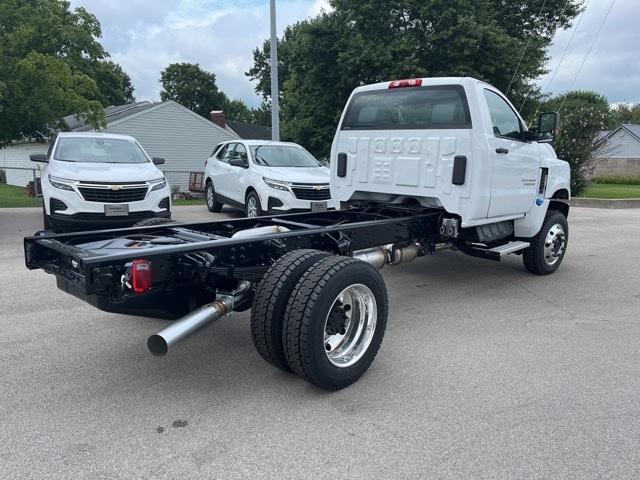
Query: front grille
{"points": [[104, 195], [311, 193]]}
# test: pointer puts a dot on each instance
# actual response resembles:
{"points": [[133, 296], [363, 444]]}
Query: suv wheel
{"points": [[252, 205], [212, 204]]}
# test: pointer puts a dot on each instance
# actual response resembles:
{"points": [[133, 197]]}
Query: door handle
{"points": [[502, 150]]}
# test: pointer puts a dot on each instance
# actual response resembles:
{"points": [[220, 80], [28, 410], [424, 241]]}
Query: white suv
{"points": [[100, 180], [264, 176]]}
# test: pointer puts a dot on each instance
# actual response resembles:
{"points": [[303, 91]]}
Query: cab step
{"points": [[494, 253], [510, 247]]}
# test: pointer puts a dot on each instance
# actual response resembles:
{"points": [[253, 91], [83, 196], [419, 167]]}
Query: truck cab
{"points": [[451, 143]]}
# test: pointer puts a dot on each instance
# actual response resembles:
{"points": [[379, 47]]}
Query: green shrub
{"points": [[617, 179]]}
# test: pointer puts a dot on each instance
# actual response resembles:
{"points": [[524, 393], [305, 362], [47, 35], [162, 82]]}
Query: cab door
{"points": [[515, 165]]}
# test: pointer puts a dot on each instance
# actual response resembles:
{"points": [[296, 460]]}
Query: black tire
{"points": [[535, 259], [270, 303], [249, 210], [46, 220], [148, 222], [210, 196], [314, 297]]}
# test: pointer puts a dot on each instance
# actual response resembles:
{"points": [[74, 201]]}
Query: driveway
{"points": [[485, 371]]}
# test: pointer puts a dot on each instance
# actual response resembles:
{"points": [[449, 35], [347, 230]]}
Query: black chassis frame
{"points": [[188, 275]]}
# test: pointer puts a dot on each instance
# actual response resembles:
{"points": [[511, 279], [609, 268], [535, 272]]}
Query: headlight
{"points": [[277, 184], [158, 184], [58, 183]]}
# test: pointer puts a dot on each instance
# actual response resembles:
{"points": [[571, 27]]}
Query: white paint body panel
{"points": [[393, 165]]}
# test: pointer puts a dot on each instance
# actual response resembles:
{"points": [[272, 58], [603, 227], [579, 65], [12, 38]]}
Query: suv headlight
{"points": [[277, 184], [158, 184], [59, 183]]}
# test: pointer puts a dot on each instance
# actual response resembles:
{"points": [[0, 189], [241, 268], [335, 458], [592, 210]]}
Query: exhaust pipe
{"points": [[195, 321], [378, 257]]}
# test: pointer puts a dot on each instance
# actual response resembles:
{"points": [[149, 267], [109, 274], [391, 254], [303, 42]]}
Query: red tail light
{"points": [[141, 275], [413, 82]]}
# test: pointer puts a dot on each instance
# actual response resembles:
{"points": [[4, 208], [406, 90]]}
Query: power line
{"points": [[566, 4], [588, 52], [523, 52]]}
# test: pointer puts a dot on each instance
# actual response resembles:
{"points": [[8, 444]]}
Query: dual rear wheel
{"points": [[320, 316]]}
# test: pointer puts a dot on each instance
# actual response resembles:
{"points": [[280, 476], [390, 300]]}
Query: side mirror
{"points": [[39, 157], [548, 127], [239, 162], [158, 161]]}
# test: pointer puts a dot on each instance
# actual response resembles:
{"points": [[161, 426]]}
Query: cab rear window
{"points": [[426, 107]]}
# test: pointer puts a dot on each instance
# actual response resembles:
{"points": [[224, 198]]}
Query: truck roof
{"points": [[112, 136], [425, 81]]}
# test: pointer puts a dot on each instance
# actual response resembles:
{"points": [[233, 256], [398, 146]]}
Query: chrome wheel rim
{"points": [[350, 325], [252, 207], [555, 244], [210, 195]]}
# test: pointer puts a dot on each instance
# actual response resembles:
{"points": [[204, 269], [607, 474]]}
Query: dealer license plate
{"points": [[318, 206], [121, 210]]}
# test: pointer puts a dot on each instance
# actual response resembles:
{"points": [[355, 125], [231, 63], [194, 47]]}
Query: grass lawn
{"points": [[193, 201], [611, 191], [12, 196]]}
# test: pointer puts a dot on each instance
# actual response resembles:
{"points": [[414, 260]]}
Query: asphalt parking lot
{"points": [[486, 371]]}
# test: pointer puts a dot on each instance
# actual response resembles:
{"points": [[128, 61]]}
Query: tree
{"points": [[323, 59], [624, 113], [113, 83], [583, 116], [41, 46], [192, 87]]}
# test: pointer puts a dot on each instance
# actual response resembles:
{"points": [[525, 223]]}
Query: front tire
{"points": [[335, 321], [210, 194], [252, 207], [548, 247]]}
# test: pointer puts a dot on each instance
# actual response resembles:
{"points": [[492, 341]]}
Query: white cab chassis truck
{"points": [[417, 165]]}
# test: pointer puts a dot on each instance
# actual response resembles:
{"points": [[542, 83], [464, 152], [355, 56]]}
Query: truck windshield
{"points": [[282, 156], [98, 150], [438, 106]]}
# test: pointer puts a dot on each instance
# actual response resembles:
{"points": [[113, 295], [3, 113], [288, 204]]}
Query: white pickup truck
{"points": [[457, 144], [418, 166]]}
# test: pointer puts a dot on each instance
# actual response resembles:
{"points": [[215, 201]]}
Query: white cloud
{"points": [[144, 36], [611, 68], [220, 35]]}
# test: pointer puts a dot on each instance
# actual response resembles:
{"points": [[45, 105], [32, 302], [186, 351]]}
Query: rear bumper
{"points": [[80, 221]]}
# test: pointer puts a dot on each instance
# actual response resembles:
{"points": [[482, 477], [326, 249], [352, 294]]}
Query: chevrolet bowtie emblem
{"points": [[115, 188], [318, 188]]}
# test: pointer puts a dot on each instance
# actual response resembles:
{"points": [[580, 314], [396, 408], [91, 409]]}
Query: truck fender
{"points": [[529, 225]]}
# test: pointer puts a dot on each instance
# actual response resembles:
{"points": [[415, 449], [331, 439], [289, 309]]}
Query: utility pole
{"points": [[275, 93]]}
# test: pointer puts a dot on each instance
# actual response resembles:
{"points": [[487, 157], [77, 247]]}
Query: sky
{"points": [[144, 36]]}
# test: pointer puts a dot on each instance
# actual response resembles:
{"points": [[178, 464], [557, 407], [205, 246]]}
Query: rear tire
{"points": [[270, 303], [548, 247], [210, 194], [335, 321]]}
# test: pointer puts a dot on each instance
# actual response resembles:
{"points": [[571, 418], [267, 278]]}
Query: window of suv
{"points": [[504, 120], [98, 150], [424, 107], [225, 152], [240, 152]]}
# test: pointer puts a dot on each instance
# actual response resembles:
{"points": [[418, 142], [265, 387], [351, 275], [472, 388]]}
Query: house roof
{"points": [[250, 131], [76, 123], [632, 128]]}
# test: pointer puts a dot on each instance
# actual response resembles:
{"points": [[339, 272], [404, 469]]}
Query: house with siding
{"points": [[619, 152], [164, 129]]}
